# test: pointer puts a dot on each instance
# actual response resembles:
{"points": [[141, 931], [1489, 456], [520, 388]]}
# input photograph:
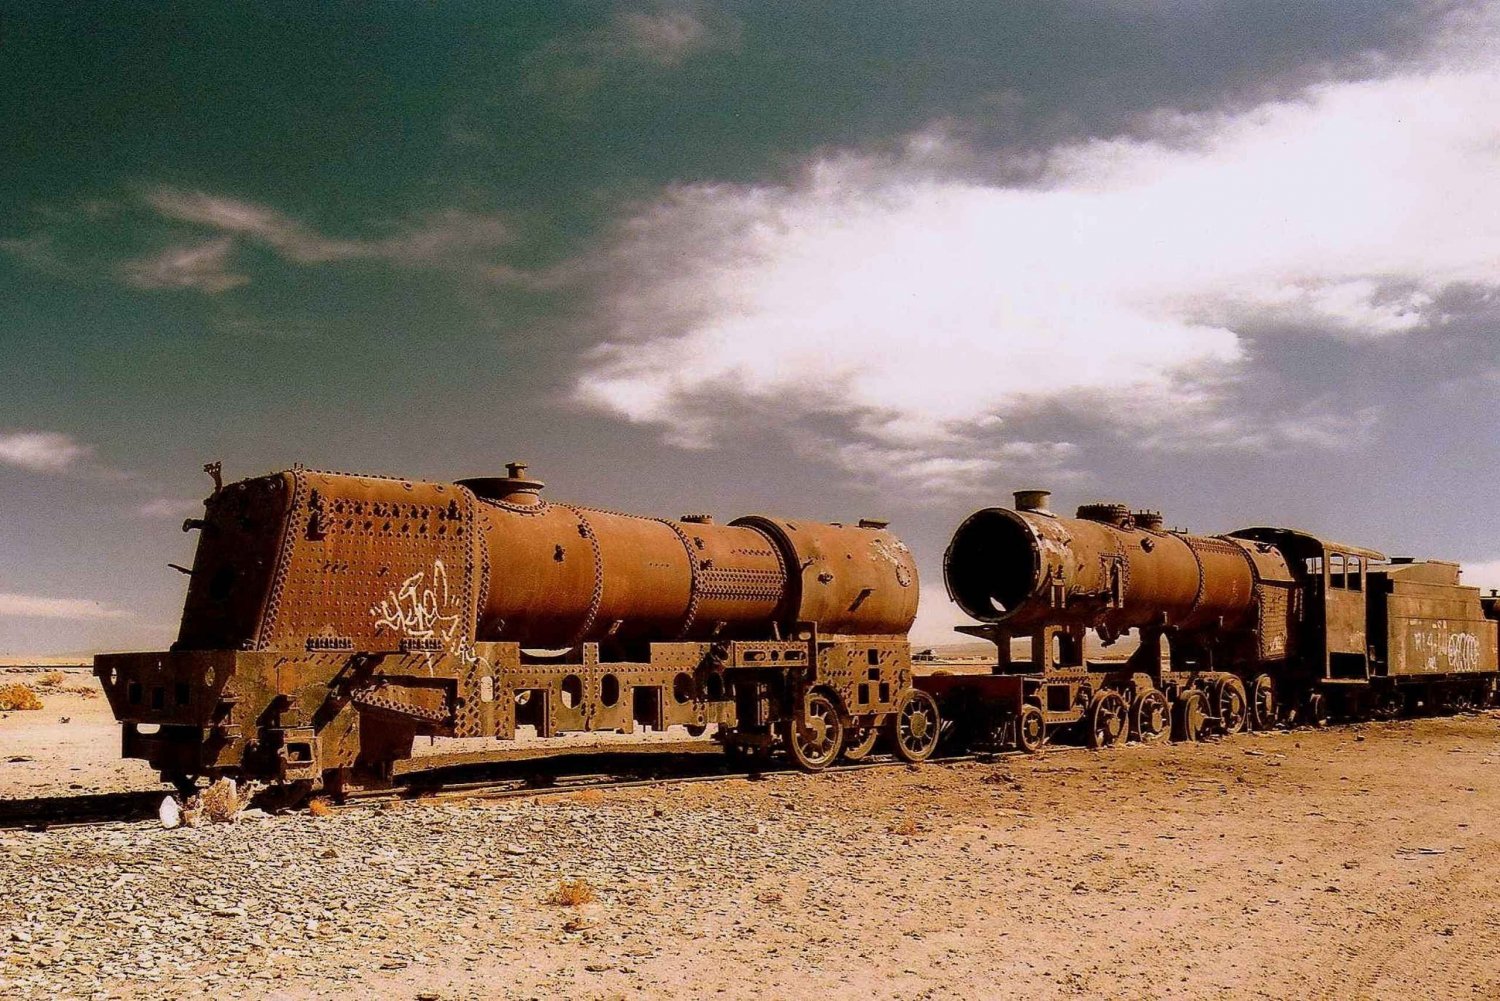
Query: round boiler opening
{"points": [[992, 565]]}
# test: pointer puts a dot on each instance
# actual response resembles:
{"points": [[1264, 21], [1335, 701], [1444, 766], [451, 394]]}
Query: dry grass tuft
{"points": [[588, 797], [17, 697], [84, 690], [572, 893], [906, 827], [52, 679], [319, 807]]}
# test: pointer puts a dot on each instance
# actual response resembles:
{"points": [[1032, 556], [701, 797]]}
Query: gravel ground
{"points": [[1352, 862]]}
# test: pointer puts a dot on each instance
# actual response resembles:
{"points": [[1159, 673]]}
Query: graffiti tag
{"points": [[417, 607], [1460, 650]]}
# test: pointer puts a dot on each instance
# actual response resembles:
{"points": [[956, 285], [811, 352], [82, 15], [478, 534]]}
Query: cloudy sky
{"points": [[1240, 262]]}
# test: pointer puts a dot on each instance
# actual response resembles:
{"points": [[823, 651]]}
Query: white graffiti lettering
{"points": [[420, 608], [1440, 646]]}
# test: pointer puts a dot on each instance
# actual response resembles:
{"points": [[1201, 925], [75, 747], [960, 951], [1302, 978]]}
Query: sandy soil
{"points": [[71, 744], [1349, 862]]}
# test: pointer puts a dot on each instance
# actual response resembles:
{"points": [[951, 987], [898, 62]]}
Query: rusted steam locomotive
{"points": [[1252, 628], [331, 619]]}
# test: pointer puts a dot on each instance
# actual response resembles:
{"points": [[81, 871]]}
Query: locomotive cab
{"points": [[1334, 580]]}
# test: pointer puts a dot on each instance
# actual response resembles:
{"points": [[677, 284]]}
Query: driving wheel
{"points": [[916, 726], [816, 735]]}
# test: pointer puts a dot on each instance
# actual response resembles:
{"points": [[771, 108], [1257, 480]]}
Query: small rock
{"points": [[170, 813]]}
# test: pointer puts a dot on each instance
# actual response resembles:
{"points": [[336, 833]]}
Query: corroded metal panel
{"points": [[1437, 629]]}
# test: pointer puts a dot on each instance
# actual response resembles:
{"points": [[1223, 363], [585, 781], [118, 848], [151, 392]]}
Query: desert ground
{"points": [[1353, 862]]}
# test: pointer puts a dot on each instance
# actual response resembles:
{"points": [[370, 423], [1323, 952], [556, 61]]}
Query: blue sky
{"points": [[1238, 262]]}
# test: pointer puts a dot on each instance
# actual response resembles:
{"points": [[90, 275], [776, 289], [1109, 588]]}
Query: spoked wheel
{"points": [[1190, 717], [1106, 720], [815, 737], [1031, 729], [916, 726], [1232, 704], [859, 741], [1315, 712], [1387, 707], [1263, 704], [1150, 719]]}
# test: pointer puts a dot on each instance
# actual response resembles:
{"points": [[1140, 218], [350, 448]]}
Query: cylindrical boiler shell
{"points": [[1027, 570]]}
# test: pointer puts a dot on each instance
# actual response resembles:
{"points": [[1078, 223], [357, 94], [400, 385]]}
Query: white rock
{"points": [[170, 813]]}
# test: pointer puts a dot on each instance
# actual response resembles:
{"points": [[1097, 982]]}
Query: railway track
{"points": [[557, 775]]}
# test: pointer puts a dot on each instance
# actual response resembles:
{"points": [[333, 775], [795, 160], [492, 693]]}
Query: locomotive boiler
{"points": [[1245, 629], [331, 619]]}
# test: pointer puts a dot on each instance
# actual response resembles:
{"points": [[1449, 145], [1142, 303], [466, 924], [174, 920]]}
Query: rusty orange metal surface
{"points": [[333, 618]]}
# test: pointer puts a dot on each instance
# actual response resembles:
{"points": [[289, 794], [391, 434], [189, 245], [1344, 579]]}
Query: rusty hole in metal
{"points": [[609, 690], [682, 688], [572, 691]]}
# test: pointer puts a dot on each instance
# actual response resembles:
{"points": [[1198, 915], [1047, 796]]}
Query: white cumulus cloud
{"points": [[41, 451], [922, 303]]}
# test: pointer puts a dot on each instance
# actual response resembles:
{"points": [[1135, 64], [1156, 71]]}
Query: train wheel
{"points": [[916, 727], [814, 739], [1232, 704], [1107, 720], [860, 741], [1263, 702], [1316, 711], [1190, 717], [1150, 718], [1387, 707], [1031, 729]]}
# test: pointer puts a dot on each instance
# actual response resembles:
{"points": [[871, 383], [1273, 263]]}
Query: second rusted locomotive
{"points": [[1251, 628], [331, 619]]}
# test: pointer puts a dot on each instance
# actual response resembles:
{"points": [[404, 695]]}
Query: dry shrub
{"points": [[52, 679], [588, 797], [16, 697], [221, 801], [572, 893], [86, 691], [906, 827], [319, 807]]}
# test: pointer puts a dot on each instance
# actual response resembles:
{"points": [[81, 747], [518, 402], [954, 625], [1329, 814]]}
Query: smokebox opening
{"points": [[992, 565]]}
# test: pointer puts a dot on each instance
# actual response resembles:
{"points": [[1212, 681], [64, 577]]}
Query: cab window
{"points": [[1336, 570]]}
